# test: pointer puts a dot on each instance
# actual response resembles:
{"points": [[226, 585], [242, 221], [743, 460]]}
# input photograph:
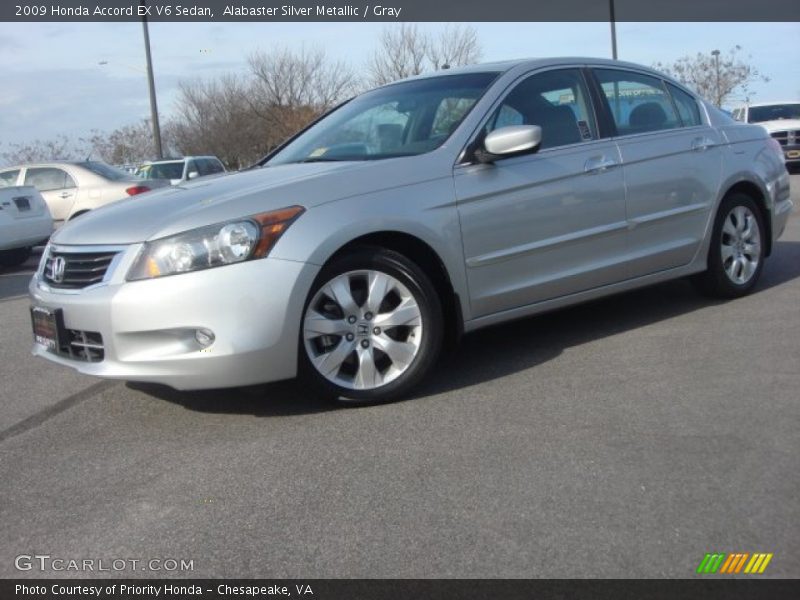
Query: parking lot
{"points": [[622, 438]]}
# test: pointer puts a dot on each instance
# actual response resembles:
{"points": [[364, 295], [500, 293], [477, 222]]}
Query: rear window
{"points": [[105, 171], [210, 166], [8, 178], [773, 112], [173, 170]]}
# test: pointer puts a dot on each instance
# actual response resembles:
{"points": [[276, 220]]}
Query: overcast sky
{"points": [[53, 81]]}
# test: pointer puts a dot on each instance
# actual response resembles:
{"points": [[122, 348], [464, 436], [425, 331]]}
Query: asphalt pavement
{"points": [[622, 438]]}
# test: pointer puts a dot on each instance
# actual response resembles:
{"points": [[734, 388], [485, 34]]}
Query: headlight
{"points": [[214, 245]]}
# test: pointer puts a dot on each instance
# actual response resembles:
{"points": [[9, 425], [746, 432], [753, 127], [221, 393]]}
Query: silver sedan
{"points": [[408, 216]]}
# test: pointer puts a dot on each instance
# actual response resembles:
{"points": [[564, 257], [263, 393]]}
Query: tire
{"points": [[15, 257], [736, 253], [372, 327]]}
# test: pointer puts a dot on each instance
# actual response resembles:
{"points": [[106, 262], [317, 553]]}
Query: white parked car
{"points": [[73, 188], [180, 170], [782, 122], [25, 222]]}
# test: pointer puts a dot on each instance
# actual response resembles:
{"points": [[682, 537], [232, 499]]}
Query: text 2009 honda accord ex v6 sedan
{"points": [[408, 215]]}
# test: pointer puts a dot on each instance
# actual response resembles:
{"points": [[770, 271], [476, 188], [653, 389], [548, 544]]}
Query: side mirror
{"points": [[193, 174], [509, 141]]}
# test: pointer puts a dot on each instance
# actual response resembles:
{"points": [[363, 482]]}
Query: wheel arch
{"points": [[754, 191], [78, 213]]}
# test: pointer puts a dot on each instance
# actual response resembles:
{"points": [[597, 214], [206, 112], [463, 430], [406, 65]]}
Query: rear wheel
{"points": [[15, 257], [372, 327], [736, 255]]}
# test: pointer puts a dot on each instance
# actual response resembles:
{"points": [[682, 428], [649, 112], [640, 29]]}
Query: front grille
{"points": [[82, 345], [781, 136], [787, 138], [76, 270]]}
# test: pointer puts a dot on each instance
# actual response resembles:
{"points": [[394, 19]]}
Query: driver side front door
{"points": [[540, 226]]}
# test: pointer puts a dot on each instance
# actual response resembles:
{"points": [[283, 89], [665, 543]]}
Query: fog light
{"points": [[204, 337]]}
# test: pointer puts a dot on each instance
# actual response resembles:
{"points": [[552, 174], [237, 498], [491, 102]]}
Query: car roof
{"points": [[526, 64], [48, 163], [773, 103], [163, 161], [507, 65]]}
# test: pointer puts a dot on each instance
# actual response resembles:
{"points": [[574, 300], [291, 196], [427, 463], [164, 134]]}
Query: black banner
{"points": [[399, 10], [400, 589]]}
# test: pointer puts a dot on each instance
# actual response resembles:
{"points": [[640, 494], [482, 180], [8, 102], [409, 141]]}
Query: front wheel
{"points": [[372, 327], [736, 255]]}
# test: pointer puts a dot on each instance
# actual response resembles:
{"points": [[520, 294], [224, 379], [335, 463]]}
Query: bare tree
{"points": [[455, 47], [129, 144], [60, 147], [405, 51], [291, 88], [216, 117], [402, 52], [716, 77]]}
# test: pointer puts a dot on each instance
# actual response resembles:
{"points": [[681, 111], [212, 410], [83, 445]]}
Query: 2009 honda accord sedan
{"points": [[409, 215]]}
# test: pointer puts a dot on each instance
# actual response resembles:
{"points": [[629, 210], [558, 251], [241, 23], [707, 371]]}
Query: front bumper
{"points": [[781, 194], [148, 327], [791, 154]]}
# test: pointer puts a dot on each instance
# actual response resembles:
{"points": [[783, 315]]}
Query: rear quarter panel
{"points": [[747, 157]]}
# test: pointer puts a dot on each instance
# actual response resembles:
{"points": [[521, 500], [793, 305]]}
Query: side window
{"points": [[213, 165], [202, 167], [687, 107], [556, 101], [46, 179], [8, 178], [638, 103]]}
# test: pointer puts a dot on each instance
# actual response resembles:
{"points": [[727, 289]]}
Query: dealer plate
{"points": [[46, 326]]}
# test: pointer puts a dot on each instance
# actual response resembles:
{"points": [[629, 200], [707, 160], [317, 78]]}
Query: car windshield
{"points": [[773, 112], [105, 171], [171, 170], [403, 119]]}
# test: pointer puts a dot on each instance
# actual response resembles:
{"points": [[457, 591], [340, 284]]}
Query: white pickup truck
{"points": [[25, 221], [782, 122]]}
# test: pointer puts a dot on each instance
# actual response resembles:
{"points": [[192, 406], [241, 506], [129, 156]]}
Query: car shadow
{"points": [[498, 351]]}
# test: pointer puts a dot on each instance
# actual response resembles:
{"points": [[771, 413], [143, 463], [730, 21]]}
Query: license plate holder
{"points": [[48, 327]]}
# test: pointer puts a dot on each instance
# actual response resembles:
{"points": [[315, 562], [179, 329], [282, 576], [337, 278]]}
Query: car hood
{"points": [[780, 124], [207, 201]]}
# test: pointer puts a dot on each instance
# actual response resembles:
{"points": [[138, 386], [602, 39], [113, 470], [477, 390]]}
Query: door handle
{"points": [[65, 194], [702, 143], [598, 164]]}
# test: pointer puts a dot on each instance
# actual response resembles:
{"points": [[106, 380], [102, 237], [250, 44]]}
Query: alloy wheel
{"points": [[740, 245], [362, 329]]}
